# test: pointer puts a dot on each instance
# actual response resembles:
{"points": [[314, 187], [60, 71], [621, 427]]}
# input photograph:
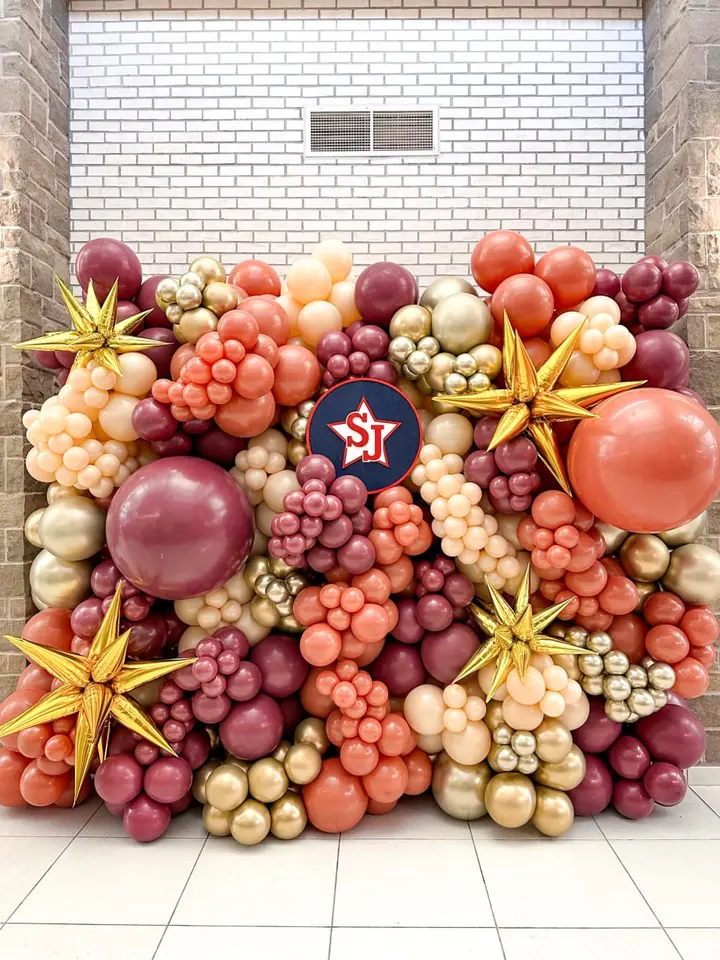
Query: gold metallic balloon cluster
{"points": [[70, 530], [249, 800], [276, 585], [194, 303], [631, 690], [294, 422]]}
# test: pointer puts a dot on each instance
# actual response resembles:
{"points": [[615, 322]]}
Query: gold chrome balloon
{"points": [[165, 292], [461, 322], [195, 323], [302, 763], [443, 287], [553, 740], [644, 590], [312, 730], [494, 716], [226, 787], [216, 822], [502, 758], [200, 778], [614, 537], [644, 556], [56, 491], [488, 359], [267, 780], [188, 296], [250, 823], [510, 799], [60, 583], [458, 789], [554, 812], [32, 527], [441, 366], [694, 573], [209, 269], [280, 751], [219, 297], [288, 818], [412, 321], [73, 528], [687, 533], [661, 676], [564, 775], [523, 743]]}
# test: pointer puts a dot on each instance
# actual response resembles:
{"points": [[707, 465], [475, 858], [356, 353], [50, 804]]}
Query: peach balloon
{"points": [[576, 713], [139, 373], [317, 319], [292, 309], [521, 716], [529, 690], [470, 745], [116, 417], [246, 418], [297, 376], [308, 279], [336, 256], [342, 296], [424, 707]]}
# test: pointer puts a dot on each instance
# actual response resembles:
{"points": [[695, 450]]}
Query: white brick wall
{"points": [[187, 134]]}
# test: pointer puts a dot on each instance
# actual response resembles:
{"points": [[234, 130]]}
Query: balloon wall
{"points": [[323, 541]]}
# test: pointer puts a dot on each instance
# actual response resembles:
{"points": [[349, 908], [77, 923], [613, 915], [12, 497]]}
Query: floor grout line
{"points": [[487, 890], [187, 881], [332, 912], [703, 800]]}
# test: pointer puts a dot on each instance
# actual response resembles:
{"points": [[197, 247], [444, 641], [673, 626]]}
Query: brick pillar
{"points": [[682, 219], [34, 225]]}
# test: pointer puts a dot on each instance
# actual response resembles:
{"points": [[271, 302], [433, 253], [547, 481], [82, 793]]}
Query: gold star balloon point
{"points": [[530, 403], [515, 634], [94, 688], [96, 332]]}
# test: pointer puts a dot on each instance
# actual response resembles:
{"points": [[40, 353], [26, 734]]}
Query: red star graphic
{"points": [[365, 435]]}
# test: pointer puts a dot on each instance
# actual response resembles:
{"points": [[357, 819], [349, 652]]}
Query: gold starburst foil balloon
{"points": [[514, 635], [529, 403], [94, 688], [96, 332]]}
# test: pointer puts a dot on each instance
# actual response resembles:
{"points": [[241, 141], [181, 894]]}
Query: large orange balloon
{"points": [[255, 277], [297, 375], [51, 628], [691, 678], [335, 801], [271, 318], [180, 358], [13, 705], [570, 274], [628, 634], [12, 766], [528, 302], [246, 418], [499, 255], [651, 461], [667, 643], [420, 770], [39, 789], [314, 702], [387, 782]]}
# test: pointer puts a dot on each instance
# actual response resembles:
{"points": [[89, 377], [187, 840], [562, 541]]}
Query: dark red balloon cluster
{"points": [[359, 351], [508, 472]]}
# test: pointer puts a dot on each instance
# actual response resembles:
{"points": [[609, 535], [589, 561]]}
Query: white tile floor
{"points": [[412, 884]]}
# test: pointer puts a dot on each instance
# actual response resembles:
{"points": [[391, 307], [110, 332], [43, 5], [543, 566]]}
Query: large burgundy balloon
{"points": [[164, 352], [168, 779], [381, 289], [253, 729], [680, 280], [595, 791], [631, 799], [673, 734], [607, 283], [400, 668], [153, 420], [179, 527], [145, 300], [218, 446], [659, 313], [642, 282], [445, 653], [407, 629], [125, 310], [629, 758], [145, 819], [661, 358], [119, 778], [281, 664], [105, 260], [599, 732], [147, 637], [666, 783]]}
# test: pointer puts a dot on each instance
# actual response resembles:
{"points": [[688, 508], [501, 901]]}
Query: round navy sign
{"points": [[369, 429]]}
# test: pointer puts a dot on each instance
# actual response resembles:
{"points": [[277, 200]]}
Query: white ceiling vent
{"points": [[371, 132]]}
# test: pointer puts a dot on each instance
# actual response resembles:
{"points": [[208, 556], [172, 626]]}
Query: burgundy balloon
{"points": [[105, 260], [195, 748], [629, 757], [434, 612], [86, 618], [599, 732], [145, 819], [104, 578], [253, 729], [281, 664], [216, 445], [362, 521], [179, 528], [127, 309], [381, 289], [481, 468], [122, 740], [145, 299], [47, 359], [659, 313], [594, 793], [607, 283], [659, 262], [168, 779], [628, 310], [210, 709], [181, 805], [351, 491], [407, 629], [162, 354], [179, 445], [666, 783], [372, 341], [683, 305], [458, 589], [631, 799], [153, 420], [315, 467], [147, 637], [293, 713], [66, 357], [196, 428], [692, 395], [642, 282], [382, 370], [400, 667], [231, 638], [680, 280], [444, 654], [115, 809], [357, 555], [245, 683], [661, 358], [673, 734], [119, 778], [516, 456]]}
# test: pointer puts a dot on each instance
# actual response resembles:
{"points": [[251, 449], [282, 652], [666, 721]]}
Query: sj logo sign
{"points": [[368, 429]]}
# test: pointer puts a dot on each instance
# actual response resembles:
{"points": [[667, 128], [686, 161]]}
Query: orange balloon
{"points": [[13, 705], [297, 375], [701, 626], [39, 789], [612, 566], [528, 302], [705, 655], [587, 583], [307, 607], [370, 624], [400, 573], [52, 768], [619, 595], [663, 608], [58, 747], [628, 634], [246, 418], [256, 278], [500, 254], [371, 652], [180, 358], [31, 741], [422, 541], [335, 801], [553, 509], [395, 735], [420, 770], [538, 350], [67, 798], [570, 274], [387, 549], [12, 766], [387, 782], [314, 702], [271, 318], [333, 728], [320, 644], [254, 378], [691, 678], [51, 628], [668, 643], [380, 809], [374, 584], [600, 620], [358, 757], [650, 461], [392, 495], [34, 676]]}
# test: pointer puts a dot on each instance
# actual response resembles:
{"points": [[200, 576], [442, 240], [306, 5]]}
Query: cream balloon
{"points": [[308, 279], [336, 257], [278, 484], [116, 417], [316, 319], [139, 373], [451, 432], [292, 308], [342, 296], [521, 716], [468, 746], [424, 708]]}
